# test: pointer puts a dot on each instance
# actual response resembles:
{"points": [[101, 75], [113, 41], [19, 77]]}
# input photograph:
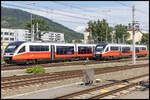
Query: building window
{"points": [[6, 33], [1, 33], [6, 38], [1, 38], [12, 39], [12, 34]]}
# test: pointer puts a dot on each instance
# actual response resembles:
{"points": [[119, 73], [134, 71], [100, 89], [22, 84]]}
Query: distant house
{"points": [[86, 34], [138, 33]]}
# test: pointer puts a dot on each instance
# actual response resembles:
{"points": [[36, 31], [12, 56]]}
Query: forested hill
{"points": [[15, 18]]}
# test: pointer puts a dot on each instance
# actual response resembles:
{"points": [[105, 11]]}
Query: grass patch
{"points": [[36, 69]]}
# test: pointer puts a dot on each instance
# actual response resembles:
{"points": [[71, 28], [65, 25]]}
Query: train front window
{"points": [[12, 47], [99, 48], [22, 50]]}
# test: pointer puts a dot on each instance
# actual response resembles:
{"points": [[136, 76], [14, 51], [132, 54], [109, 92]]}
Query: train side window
{"points": [[84, 50], [137, 50], [114, 48], [35, 48], [22, 49], [44, 48], [62, 50], [125, 49], [143, 48]]}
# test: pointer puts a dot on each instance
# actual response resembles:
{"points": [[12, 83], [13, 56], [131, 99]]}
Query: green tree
{"points": [[98, 30], [42, 26], [78, 41], [121, 30], [145, 39]]}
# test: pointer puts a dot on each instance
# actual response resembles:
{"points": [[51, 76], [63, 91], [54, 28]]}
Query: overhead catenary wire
{"points": [[131, 7], [64, 4], [68, 11], [50, 12], [47, 11], [53, 19], [69, 5]]}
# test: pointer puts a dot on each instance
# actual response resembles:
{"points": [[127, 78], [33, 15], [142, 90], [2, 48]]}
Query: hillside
{"points": [[15, 18]]}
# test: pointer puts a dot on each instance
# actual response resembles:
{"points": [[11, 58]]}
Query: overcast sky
{"points": [[76, 14]]}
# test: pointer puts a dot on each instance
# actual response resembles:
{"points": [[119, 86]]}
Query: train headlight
{"points": [[97, 52], [7, 54]]}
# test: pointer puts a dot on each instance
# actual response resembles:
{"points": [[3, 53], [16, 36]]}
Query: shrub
{"points": [[35, 69]]}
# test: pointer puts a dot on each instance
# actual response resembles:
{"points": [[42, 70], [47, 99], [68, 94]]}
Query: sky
{"points": [[76, 14]]}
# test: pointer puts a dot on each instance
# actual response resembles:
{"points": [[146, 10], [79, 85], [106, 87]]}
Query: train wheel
{"points": [[35, 61], [27, 62]]}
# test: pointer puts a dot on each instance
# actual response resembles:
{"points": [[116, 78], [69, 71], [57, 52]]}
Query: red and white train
{"points": [[33, 52], [112, 51]]}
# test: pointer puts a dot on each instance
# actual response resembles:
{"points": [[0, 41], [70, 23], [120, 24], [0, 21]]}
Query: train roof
{"points": [[62, 43], [53, 43], [115, 44]]}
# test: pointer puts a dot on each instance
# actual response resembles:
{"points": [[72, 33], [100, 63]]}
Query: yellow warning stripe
{"points": [[121, 85], [103, 91]]}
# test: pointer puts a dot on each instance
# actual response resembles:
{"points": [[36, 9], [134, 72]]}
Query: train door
{"points": [[52, 52], [93, 50], [75, 50], [120, 50]]}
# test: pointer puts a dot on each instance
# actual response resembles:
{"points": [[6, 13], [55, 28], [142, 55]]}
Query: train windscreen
{"points": [[100, 47], [12, 46]]}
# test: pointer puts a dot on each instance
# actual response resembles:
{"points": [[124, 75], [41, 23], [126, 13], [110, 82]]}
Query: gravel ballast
{"points": [[104, 79], [69, 68]]}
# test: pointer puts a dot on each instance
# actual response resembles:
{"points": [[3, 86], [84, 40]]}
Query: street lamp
{"points": [[123, 38], [106, 19], [113, 32], [32, 34]]}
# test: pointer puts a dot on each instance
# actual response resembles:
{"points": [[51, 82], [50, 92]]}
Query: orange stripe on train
{"points": [[63, 56], [32, 55], [111, 53], [82, 55], [74, 55]]}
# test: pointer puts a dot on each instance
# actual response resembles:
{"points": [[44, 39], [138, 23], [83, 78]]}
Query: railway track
{"points": [[23, 80], [13, 67], [110, 89]]}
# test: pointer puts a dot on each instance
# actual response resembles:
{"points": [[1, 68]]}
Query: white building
{"points": [[52, 36], [9, 35], [86, 35], [138, 33]]}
